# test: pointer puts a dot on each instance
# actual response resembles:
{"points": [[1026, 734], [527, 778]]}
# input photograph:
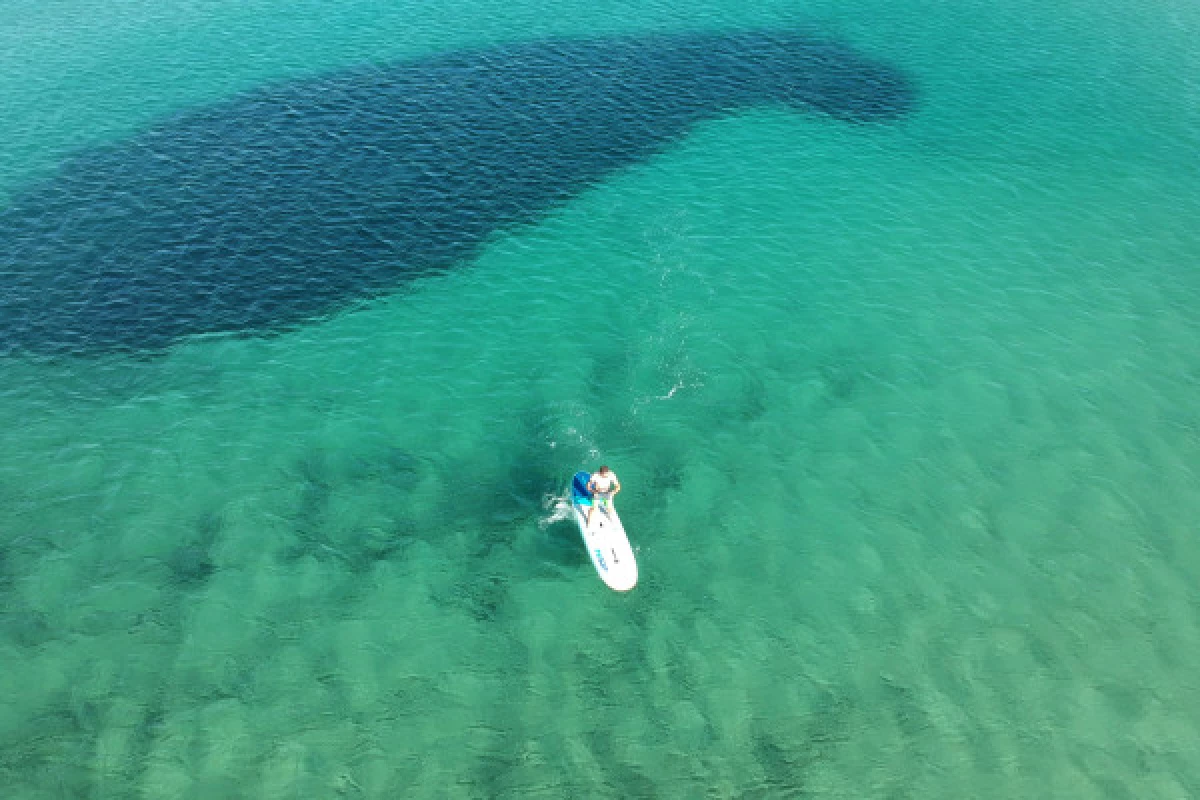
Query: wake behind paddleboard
{"points": [[606, 542]]}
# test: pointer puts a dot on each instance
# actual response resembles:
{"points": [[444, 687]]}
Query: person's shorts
{"points": [[602, 500]]}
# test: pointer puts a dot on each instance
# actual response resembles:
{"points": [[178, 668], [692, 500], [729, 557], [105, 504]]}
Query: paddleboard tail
{"points": [[579, 490]]}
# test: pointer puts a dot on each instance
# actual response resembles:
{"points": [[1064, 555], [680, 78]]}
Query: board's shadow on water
{"points": [[560, 549], [298, 200]]}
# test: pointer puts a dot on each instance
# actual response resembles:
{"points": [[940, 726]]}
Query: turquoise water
{"points": [[905, 416]]}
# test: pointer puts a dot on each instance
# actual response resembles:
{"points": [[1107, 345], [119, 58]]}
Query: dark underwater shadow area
{"points": [[296, 200]]}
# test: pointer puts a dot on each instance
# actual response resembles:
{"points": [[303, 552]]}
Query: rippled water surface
{"points": [[885, 316]]}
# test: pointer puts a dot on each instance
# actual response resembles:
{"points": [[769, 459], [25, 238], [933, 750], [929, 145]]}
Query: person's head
{"points": [[604, 470]]}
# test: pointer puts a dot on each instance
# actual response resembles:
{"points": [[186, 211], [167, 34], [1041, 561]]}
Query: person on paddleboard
{"points": [[603, 487]]}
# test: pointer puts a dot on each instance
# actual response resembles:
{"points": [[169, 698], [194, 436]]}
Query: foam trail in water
{"points": [[555, 508]]}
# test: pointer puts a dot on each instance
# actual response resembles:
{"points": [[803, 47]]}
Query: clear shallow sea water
{"points": [[905, 414]]}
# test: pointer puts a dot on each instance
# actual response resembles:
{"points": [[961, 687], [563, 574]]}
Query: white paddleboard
{"points": [[605, 539]]}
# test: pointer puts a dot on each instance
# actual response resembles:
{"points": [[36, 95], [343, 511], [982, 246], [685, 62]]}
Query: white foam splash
{"points": [[557, 508]]}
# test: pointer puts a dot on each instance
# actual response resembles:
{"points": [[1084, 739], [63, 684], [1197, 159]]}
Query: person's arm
{"points": [[616, 487], [591, 487]]}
